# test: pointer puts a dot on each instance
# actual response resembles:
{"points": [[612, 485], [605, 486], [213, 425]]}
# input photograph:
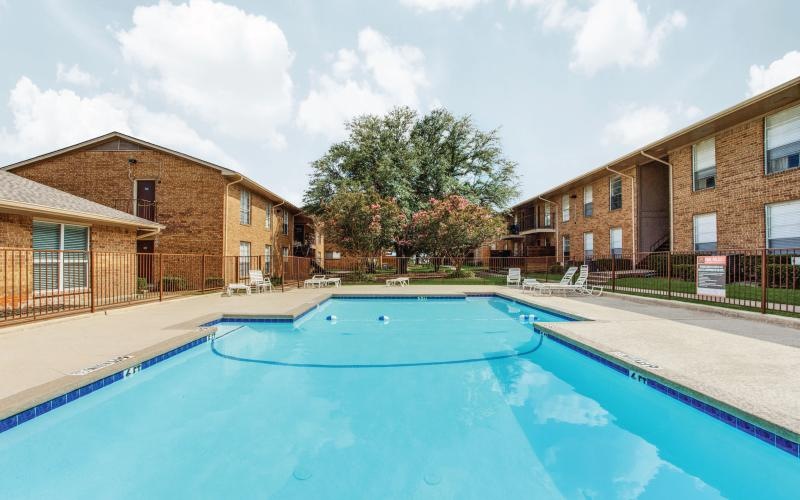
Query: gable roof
{"points": [[251, 184], [19, 194], [759, 105]]}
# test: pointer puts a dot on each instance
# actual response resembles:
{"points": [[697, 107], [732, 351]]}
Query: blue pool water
{"points": [[447, 399]]}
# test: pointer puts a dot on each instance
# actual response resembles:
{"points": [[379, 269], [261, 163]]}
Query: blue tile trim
{"points": [[42, 408], [769, 437]]}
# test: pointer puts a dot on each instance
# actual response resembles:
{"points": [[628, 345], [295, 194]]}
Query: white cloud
{"points": [[372, 79], [437, 5], [217, 62], [608, 33], [75, 75], [45, 120], [779, 71], [639, 125]]}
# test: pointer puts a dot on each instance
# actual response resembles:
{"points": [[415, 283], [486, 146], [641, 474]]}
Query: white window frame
{"points": [[768, 222], [547, 215], [244, 259], [565, 247], [611, 182], [285, 222], [611, 240], [795, 109], [268, 222], [695, 220], [60, 253], [588, 253], [267, 259], [588, 190], [565, 208], [695, 148], [245, 209]]}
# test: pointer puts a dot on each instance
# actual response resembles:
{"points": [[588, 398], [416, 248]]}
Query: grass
{"points": [[732, 290]]}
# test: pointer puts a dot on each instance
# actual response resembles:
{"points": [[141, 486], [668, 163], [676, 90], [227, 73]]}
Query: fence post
{"points": [[613, 271], [236, 268], [546, 269], [203, 273], [160, 277], [669, 275], [92, 279], [283, 274], [764, 268]]}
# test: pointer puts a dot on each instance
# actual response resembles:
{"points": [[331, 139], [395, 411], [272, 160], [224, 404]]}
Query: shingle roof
{"points": [[25, 194]]}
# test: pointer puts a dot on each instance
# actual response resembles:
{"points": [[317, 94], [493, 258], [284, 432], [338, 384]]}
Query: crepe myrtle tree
{"points": [[362, 222], [453, 226], [410, 159]]}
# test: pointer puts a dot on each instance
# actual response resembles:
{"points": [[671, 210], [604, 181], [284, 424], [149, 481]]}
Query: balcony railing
{"points": [[140, 208]]}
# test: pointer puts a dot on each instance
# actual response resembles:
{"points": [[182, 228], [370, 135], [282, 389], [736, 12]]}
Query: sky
{"points": [[264, 87]]}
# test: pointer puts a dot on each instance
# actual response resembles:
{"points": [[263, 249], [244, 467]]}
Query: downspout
{"points": [[671, 227], [633, 210], [225, 215], [555, 216], [274, 241]]}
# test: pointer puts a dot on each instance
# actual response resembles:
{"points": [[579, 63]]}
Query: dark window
{"points": [[615, 193]]}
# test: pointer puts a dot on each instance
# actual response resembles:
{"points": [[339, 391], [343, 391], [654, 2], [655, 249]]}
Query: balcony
{"points": [[140, 208]]}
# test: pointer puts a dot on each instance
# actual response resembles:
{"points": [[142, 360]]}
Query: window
{"points": [[783, 140], [588, 206], [62, 261], [244, 258], [565, 208], [588, 245], [565, 247], [268, 223], [783, 224], [615, 193], [704, 165], [616, 241], [705, 232], [244, 206], [285, 251], [333, 255], [285, 222], [547, 221], [267, 259]]}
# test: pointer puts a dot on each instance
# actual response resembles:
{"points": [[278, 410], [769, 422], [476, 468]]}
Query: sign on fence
{"points": [[711, 275]]}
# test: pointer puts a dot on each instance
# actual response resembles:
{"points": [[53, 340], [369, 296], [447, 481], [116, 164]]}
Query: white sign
{"points": [[711, 275]]}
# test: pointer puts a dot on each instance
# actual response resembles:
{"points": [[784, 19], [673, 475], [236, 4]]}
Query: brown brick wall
{"points": [[15, 231], [601, 221], [256, 233], [189, 195], [742, 189]]}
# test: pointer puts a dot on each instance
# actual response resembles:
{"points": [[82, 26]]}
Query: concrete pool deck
{"points": [[749, 363]]}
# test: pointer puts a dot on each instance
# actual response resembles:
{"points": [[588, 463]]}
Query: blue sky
{"points": [[264, 87]]}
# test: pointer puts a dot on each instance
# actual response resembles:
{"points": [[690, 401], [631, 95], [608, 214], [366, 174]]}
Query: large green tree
{"points": [[412, 159]]}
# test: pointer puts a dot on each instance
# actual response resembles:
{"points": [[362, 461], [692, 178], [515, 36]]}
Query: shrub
{"points": [[684, 271], [556, 269], [464, 273], [141, 285], [173, 283]]}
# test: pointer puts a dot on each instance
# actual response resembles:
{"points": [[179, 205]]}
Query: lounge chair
{"points": [[580, 286], [259, 282], [514, 276], [316, 280], [233, 287], [400, 281], [337, 282], [537, 286]]}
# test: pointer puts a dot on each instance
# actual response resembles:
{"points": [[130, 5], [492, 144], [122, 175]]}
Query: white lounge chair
{"points": [[259, 282], [317, 280], [514, 276], [580, 286], [535, 285], [233, 287], [337, 282], [400, 281]]}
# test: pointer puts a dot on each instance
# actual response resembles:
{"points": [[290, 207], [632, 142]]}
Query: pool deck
{"points": [[747, 362]]}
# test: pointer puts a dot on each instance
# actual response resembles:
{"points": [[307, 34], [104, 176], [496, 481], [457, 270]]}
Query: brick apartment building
{"points": [[730, 181], [204, 208]]}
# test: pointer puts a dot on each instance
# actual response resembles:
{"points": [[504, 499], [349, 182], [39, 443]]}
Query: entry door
{"points": [[146, 199], [144, 264]]}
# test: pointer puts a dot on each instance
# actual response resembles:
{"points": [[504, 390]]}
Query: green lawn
{"points": [[732, 291]]}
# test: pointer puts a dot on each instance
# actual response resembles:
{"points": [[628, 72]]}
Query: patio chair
{"points": [[316, 280], [514, 276], [566, 281], [259, 282], [337, 282], [400, 281]]}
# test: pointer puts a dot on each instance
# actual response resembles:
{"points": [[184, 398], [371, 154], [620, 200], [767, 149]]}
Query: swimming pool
{"points": [[445, 398]]}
